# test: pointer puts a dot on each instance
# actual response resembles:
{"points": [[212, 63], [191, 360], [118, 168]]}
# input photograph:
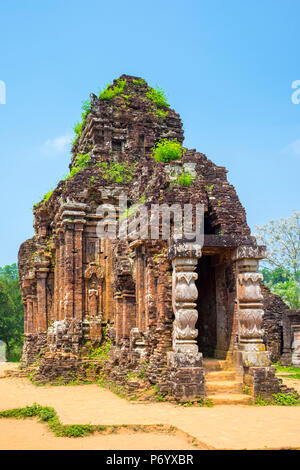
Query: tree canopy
{"points": [[282, 266], [11, 312]]}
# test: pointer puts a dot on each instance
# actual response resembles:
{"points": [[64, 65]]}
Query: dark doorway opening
{"points": [[206, 306], [215, 305]]}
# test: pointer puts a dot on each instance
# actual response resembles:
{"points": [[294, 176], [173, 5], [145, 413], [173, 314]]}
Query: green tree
{"points": [[11, 312], [282, 266]]}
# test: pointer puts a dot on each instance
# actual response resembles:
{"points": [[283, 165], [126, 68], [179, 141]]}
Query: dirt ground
{"points": [[220, 427], [29, 434]]}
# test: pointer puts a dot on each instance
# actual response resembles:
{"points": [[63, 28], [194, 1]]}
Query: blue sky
{"points": [[227, 68]]}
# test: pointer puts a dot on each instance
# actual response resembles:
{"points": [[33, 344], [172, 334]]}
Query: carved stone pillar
{"points": [[184, 295], [185, 361], [250, 309]]}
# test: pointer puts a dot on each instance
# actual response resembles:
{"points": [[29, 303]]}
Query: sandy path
{"points": [[31, 435], [223, 426]]}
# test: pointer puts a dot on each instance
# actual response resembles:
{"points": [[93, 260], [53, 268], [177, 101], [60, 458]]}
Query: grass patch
{"points": [[290, 371]]}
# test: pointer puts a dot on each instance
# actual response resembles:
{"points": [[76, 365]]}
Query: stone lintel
{"points": [[249, 252], [184, 250]]}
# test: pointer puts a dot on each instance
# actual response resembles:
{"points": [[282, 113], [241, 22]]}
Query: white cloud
{"points": [[293, 148], [58, 144]]}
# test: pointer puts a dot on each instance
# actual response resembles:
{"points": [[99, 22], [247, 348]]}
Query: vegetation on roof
{"points": [[110, 91], [81, 162], [139, 81], [157, 96], [167, 150], [116, 172]]}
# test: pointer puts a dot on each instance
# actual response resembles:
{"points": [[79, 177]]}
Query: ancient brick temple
{"points": [[175, 311]]}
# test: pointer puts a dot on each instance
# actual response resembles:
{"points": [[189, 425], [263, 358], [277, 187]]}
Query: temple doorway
{"points": [[215, 305]]}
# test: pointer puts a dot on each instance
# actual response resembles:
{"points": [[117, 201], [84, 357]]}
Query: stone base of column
{"points": [[251, 355], [187, 381], [262, 382]]}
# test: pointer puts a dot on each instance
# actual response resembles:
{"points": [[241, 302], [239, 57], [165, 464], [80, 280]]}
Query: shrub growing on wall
{"points": [[167, 150]]}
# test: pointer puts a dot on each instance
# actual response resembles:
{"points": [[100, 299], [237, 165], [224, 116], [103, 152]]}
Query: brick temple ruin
{"points": [[178, 316]]}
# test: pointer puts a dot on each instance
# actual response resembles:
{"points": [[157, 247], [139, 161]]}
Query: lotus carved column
{"points": [[185, 361], [184, 295], [250, 308]]}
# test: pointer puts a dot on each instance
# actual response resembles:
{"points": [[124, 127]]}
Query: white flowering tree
{"points": [[282, 239]]}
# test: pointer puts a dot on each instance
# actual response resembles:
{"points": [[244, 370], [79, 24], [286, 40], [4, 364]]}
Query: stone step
{"points": [[224, 386], [215, 364], [230, 399], [211, 376]]}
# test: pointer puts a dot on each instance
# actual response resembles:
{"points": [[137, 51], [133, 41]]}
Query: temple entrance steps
{"points": [[223, 386]]}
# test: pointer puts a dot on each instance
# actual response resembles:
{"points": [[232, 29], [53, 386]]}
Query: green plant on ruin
{"points": [[209, 188], [184, 179], [86, 108], [246, 390], [132, 209], [81, 162], [139, 81], [116, 172], [198, 402], [167, 150], [279, 399], [131, 375], [157, 96], [142, 373], [161, 114], [47, 196], [110, 91]]}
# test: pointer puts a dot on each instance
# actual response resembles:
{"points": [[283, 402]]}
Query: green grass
{"points": [[167, 150], [291, 372]]}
